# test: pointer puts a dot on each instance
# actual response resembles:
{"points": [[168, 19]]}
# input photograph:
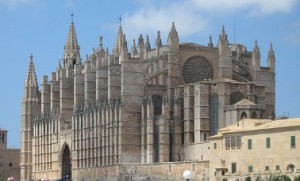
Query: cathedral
{"points": [[145, 106]]}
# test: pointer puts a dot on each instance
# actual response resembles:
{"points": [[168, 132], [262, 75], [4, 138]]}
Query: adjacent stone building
{"points": [[256, 148], [144, 106], [9, 159]]}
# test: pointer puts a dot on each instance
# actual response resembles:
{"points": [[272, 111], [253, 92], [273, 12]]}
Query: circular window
{"points": [[197, 69]]}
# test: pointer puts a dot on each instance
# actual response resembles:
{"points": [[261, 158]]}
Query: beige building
{"points": [[256, 148], [141, 106], [9, 159]]}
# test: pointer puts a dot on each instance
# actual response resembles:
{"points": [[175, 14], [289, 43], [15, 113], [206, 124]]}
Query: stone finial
{"points": [[134, 49], [158, 40], [210, 43], [147, 44], [223, 43], [173, 38]]}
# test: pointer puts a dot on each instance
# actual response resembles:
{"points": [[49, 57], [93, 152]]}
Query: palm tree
{"points": [[297, 178]]}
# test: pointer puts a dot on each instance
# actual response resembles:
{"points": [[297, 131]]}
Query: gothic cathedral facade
{"points": [[145, 105]]}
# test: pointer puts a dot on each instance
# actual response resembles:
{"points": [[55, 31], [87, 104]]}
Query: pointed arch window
{"points": [[157, 103], [214, 114], [254, 115], [243, 115], [66, 164]]}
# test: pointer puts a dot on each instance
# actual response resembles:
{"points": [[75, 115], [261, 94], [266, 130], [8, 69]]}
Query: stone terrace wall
{"points": [[143, 172]]}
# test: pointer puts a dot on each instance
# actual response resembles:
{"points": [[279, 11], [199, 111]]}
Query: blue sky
{"points": [[40, 27]]}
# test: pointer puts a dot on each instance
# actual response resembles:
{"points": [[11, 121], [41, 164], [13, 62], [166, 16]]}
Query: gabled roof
{"points": [[244, 102]]}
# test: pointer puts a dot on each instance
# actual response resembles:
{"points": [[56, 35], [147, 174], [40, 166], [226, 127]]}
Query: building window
{"points": [[244, 115], [227, 143], [249, 144], [204, 137], [267, 168], [238, 142], [233, 142], [250, 168], [293, 142], [215, 145], [10, 164], [233, 167], [277, 167], [268, 142]]}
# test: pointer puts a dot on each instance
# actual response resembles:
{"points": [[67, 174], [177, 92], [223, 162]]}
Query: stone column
{"points": [[45, 95], [150, 131], [189, 114], [164, 133]]}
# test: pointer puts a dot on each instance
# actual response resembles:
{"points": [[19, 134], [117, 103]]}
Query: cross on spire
{"points": [[72, 16], [120, 19]]}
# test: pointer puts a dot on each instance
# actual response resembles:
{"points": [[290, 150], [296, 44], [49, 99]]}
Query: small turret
{"points": [[31, 107], [256, 57], [100, 52], [173, 39], [271, 58]]}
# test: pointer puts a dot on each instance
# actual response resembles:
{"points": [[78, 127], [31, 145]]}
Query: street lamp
{"points": [[187, 175]]}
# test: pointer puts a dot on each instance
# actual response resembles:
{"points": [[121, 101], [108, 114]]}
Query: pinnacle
{"points": [[119, 42], [71, 48], [31, 80]]}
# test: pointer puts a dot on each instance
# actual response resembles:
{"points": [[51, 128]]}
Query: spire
{"points": [[271, 58], [158, 40], [31, 80], [223, 33], [147, 44], [223, 44], [59, 66], [256, 49], [124, 51], [173, 38], [101, 43], [141, 46], [134, 49], [210, 43], [256, 57], [119, 42], [71, 49]]}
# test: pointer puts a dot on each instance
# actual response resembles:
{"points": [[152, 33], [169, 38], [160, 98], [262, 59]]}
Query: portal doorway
{"points": [[66, 174]]}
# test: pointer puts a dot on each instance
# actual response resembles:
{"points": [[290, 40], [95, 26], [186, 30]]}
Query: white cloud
{"points": [[152, 18], [158, 15], [16, 3], [253, 6], [294, 36]]}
